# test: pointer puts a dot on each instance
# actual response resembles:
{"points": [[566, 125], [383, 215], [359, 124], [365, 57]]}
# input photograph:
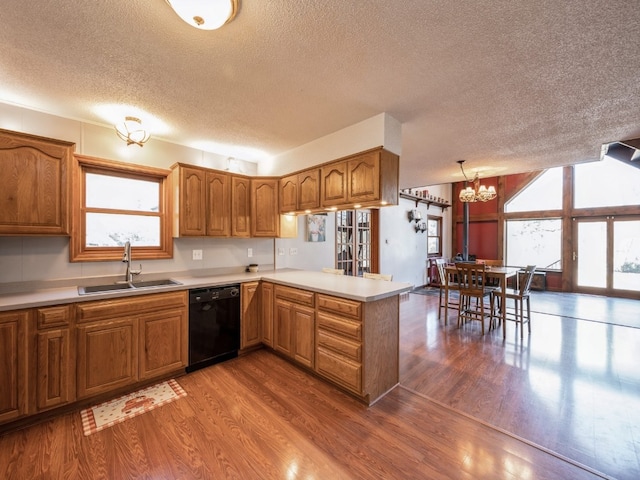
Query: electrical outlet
{"points": [[196, 254], [293, 251], [249, 252], [280, 251]]}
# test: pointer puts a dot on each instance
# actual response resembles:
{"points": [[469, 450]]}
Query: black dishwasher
{"points": [[214, 325]]}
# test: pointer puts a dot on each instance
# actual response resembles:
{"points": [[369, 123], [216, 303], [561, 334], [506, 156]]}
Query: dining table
{"points": [[501, 274]]}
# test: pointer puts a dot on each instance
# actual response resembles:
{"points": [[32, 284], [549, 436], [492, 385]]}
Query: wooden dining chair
{"points": [[334, 271], [377, 276], [472, 285], [447, 285], [518, 295]]}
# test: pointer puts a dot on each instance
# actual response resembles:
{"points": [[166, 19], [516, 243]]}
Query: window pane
{"points": [[544, 193], [626, 255], [433, 245], [592, 254], [605, 184], [535, 242], [109, 230], [105, 191], [432, 228]]}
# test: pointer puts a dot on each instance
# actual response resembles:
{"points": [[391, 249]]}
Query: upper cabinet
{"points": [[300, 191], [35, 178], [202, 202], [367, 179], [240, 206], [265, 221]]}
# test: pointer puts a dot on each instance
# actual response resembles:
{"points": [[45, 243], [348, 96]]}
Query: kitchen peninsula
{"points": [[341, 328]]}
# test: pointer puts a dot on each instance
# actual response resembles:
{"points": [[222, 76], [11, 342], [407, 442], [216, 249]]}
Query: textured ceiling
{"points": [[508, 85]]}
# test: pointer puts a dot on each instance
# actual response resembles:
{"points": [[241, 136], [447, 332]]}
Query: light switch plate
{"points": [[280, 251], [293, 251], [196, 254], [249, 252]]}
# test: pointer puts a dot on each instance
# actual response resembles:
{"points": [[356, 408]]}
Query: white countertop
{"points": [[354, 288]]}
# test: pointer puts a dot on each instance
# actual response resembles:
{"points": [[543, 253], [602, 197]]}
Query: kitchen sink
{"points": [[111, 287]]}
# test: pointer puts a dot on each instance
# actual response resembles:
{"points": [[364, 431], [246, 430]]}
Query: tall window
{"points": [[434, 236], [119, 203]]}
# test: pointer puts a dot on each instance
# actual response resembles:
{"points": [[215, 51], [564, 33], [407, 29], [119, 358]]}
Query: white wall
{"points": [[381, 130]]}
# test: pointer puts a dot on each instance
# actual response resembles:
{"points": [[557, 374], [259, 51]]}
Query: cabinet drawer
{"points": [[302, 297], [347, 348], [53, 316], [123, 307], [339, 369], [348, 328], [341, 306]]}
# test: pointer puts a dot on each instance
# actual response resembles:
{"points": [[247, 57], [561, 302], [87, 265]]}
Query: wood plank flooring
{"points": [[572, 386], [260, 417]]}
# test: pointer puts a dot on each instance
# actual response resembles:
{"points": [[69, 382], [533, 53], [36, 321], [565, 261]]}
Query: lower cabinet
{"points": [[107, 356], [55, 357], [128, 340], [294, 324], [266, 296], [13, 365], [250, 321]]}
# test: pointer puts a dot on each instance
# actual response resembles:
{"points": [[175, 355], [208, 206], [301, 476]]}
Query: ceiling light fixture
{"points": [[205, 14], [477, 193], [131, 131]]}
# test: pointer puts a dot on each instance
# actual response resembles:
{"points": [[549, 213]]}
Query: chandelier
{"points": [[477, 192], [205, 14], [132, 132]]}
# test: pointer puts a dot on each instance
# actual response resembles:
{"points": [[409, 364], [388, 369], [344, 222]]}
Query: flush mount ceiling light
{"points": [[205, 14], [477, 193], [131, 131]]}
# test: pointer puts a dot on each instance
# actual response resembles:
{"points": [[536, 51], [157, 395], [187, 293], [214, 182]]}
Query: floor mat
{"points": [[128, 406]]}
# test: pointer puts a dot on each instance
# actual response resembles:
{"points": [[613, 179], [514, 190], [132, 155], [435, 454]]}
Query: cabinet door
{"points": [[264, 207], [309, 189], [218, 204], [250, 315], [288, 190], [192, 207], [163, 343], [364, 178], [107, 356], [13, 365], [55, 372], [240, 207], [334, 184], [267, 313], [304, 335], [35, 179], [282, 327]]}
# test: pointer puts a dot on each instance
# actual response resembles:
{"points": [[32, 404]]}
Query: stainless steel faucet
{"points": [[126, 258]]}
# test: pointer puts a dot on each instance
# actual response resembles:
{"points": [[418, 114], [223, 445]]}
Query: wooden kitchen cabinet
{"points": [[162, 347], [294, 324], [367, 179], [13, 365], [334, 184], [218, 201], [189, 191], [35, 178], [300, 191], [126, 340], [265, 221], [240, 206], [202, 202], [250, 321], [107, 355], [266, 297], [55, 380]]}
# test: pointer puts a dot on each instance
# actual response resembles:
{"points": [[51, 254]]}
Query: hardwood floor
{"points": [[260, 417], [572, 386]]}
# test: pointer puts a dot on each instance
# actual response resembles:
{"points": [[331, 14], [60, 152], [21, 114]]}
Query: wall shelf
{"points": [[415, 198]]}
